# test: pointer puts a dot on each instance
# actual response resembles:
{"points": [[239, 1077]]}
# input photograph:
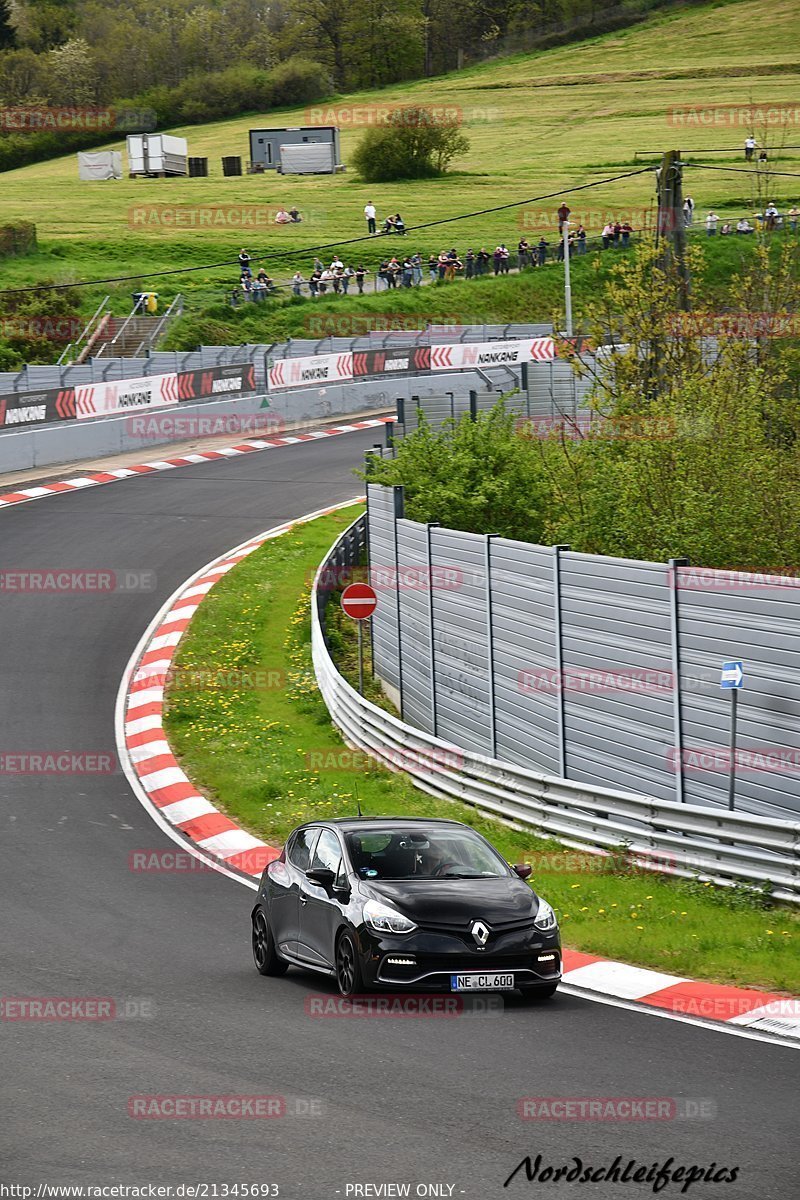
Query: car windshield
{"points": [[421, 853]]}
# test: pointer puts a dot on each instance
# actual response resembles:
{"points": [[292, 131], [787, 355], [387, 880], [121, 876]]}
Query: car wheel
{"points": [[535, 994], [348, 968], [265, 956]]}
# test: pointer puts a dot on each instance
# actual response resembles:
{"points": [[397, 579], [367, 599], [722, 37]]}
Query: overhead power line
{"points": [[288, 252]]}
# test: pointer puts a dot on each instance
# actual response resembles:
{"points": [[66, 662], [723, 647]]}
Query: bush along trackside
{"points": [[246, 720]]}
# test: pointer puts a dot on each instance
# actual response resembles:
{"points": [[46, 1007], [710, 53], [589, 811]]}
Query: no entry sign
{"points": [[359, 601]]}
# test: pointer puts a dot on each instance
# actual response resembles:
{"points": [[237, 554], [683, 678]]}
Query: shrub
{"points": [[413, 144]]}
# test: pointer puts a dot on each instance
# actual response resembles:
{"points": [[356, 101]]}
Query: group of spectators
{"points": [[771, 219], [337, 277], [290, 217], [408, 270]]}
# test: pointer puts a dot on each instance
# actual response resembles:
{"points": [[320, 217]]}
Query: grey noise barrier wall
{"points": [[603, 671]]}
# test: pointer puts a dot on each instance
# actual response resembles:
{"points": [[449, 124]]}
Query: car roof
{"points": [[350, 824]]}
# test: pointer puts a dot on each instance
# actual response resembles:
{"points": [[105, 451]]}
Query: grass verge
{"points": [[249, 726]]}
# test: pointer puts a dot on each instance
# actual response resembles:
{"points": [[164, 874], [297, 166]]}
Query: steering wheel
{"points": [[442, 868]]}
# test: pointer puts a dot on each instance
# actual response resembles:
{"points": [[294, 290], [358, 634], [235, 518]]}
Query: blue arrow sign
{"points": [[732, 675]]}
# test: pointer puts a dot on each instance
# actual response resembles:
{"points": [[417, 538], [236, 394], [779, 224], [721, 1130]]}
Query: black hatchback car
{"points": [[404, 904]]}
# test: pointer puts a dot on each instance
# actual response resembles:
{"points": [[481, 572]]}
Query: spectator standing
{"points": [[244, 263], [541, 250], [793, 214], [482, 261], [433, 267], [607, 234], [580, 239], [361, 273], [442, 265], [496, 259], [469, 263], [392, 271], [408, 272], [383, 275], [349, 274], [313, 282], [711, 224], [370, 213], [318, 265], [297, 284], [522, 254], [563, 215], [505, 259], [688, 211], [626, 230], [749, 148], [416, 269], [771, 215], [326, 278]]}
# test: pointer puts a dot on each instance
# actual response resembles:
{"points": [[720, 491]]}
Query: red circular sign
{"points": [[359, 601]]}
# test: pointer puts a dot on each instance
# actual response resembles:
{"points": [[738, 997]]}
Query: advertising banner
{"points": [[18, 409], [492, 354], [396, 360], [309, 370]]}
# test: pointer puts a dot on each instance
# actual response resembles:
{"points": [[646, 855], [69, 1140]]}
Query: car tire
{"points": [[535, 994], [348, 968], [265, 955]]}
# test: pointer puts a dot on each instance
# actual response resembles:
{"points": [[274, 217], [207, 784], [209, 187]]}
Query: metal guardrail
{"points": [[661, 835], [69, 353], [147, 343]]}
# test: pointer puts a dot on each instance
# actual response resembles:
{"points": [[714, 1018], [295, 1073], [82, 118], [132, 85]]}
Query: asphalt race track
{"points": [[369, 1101]]}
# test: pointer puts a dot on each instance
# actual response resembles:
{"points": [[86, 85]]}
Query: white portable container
{"points": [[308, 158]]}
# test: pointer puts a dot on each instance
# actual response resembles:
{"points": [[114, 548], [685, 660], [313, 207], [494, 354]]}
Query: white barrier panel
{"points": [[126, 395], [316, 368], [492, 354]]}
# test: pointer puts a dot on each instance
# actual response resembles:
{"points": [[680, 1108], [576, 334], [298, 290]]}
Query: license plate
{"points": [[481, 983]]}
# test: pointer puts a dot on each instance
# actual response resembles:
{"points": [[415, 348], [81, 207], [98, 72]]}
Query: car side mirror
{"points": [[324, 876], [523, 870]]}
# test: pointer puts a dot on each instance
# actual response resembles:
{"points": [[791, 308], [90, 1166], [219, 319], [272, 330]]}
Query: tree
{"points": [[8, 37], [415, 143], [72, 76]]}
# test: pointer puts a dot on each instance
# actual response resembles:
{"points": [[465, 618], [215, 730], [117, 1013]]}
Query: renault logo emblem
{"points": [[481, 934]]}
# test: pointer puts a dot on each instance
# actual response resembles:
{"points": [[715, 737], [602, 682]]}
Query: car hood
{"points": [[457, 902]]}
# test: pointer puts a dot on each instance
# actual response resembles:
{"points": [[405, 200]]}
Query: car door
{"points": [[285, 888], [319, 909]]}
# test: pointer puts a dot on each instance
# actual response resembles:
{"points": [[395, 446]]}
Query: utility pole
{"points": [[567, 284], [671, 226]]}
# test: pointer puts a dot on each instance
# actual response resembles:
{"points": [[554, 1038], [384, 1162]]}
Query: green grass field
{"points": [[269, 756], [537, 124]]}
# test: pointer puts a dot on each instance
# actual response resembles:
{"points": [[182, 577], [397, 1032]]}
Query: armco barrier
{"points": [[678, 839], [72, 441]]}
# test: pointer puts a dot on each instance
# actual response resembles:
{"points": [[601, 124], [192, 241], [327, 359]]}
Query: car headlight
{"points": [[381, 918], [545, 918]]}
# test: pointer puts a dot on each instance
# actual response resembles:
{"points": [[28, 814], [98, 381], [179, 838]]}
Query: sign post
{"points": [[732, 680], [359, 601]]}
